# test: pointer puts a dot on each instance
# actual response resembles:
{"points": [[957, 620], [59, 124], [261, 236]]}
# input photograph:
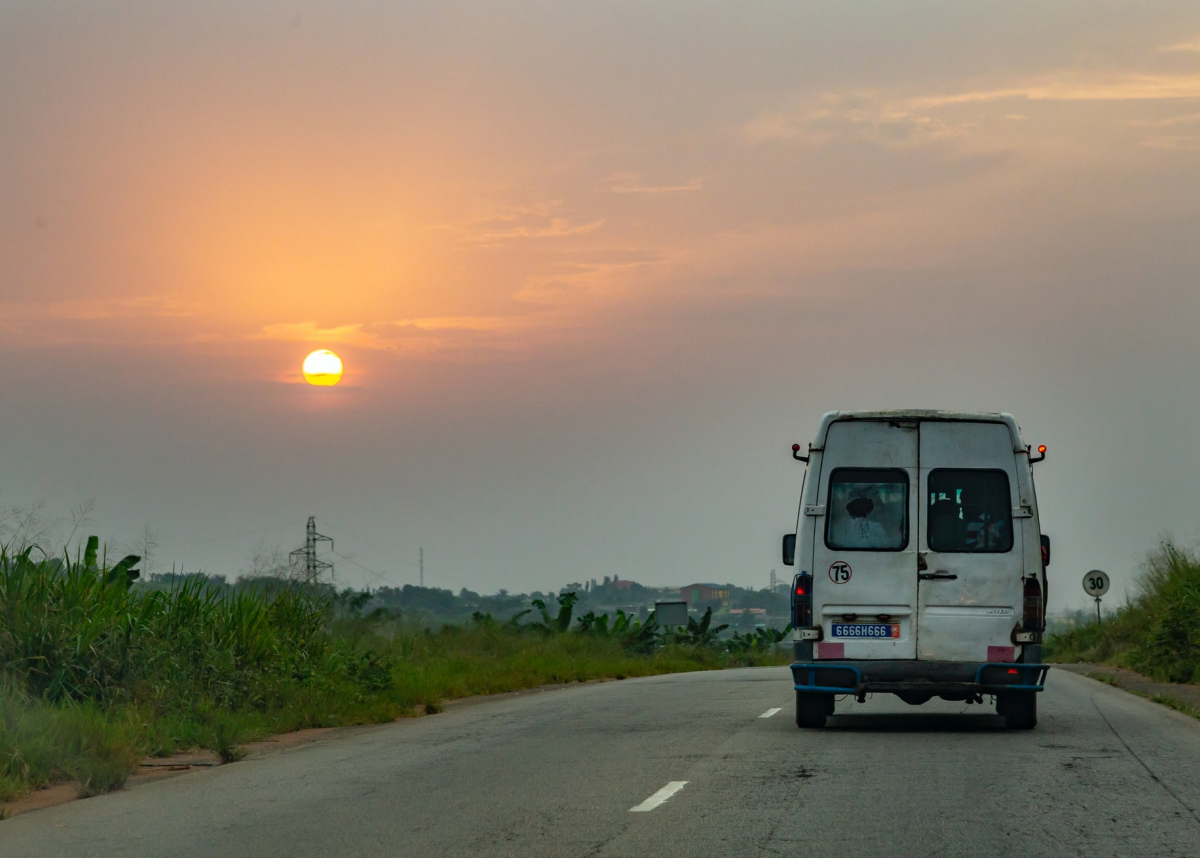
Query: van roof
{"points": [[908, 414]]}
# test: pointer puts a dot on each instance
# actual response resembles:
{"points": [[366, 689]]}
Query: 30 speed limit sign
{"points": [[1095, 583]]}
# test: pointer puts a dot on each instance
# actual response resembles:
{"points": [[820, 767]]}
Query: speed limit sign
{"points": [[1095, 583]]}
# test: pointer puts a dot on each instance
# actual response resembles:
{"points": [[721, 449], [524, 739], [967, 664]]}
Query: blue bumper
{"points": [[830, 677]]}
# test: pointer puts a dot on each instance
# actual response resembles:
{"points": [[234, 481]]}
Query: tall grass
{"points": [[43, 744], [95, 673], [1157, 633], [69, 631]]}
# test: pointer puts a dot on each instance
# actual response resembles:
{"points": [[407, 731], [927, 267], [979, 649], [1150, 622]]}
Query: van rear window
{"points": [[867, 510], [969, 511]]}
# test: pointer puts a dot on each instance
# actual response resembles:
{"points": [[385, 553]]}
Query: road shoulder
{"points": [[1184, 698]]}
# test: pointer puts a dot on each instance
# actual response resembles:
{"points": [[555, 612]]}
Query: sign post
{"points": [[1095, 584]]}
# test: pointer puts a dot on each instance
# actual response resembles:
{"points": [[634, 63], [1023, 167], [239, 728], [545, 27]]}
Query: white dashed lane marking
{"points": [[659, 797], [769, 713]]}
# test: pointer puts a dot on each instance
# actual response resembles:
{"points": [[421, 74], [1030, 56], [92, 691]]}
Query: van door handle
{"points": [[939, 575]]}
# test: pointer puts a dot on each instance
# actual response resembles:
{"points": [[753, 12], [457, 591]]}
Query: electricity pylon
{"points": [[308, 554]]}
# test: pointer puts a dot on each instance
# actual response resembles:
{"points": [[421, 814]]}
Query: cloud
{"points": [[99, 309], [782, 126], [420, 335], [897, 120], [557, 227], [1191, 46], [866, 114], [353, 334], [1069, 87], [631, 183], [1185, 119], [591, 278], [1173, 143], [97, 320], [457, 323], [500, 224]]}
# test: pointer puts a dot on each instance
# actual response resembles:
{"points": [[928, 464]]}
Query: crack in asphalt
{"points": [[1142, 762]]}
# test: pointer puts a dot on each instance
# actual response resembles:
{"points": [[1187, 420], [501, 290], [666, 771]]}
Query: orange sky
{"points": [[591, 269]]}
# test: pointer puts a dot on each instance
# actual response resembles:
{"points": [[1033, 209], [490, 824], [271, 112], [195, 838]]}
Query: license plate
{"points": [[866, 630]]}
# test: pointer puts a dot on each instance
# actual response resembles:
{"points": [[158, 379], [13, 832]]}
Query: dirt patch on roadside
{"points": [[150, 768], [291, 740], [39, 798]]}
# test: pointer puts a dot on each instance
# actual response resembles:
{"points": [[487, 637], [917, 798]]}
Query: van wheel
{"points": [[811, 709], [1019, 709]]}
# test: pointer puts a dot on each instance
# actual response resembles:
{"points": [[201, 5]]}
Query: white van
{"points": [[921, 563]]}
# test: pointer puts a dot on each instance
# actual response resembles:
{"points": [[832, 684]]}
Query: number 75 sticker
{"points": [[840, 572]]}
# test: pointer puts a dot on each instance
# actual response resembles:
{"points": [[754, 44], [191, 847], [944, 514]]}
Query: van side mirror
{"points": [[1045, 550], [789, 550]]}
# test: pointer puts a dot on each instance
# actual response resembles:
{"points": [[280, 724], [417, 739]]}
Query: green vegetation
{"points": [[1157, 633], [1176, 704], [96, 672], [41, 743]]}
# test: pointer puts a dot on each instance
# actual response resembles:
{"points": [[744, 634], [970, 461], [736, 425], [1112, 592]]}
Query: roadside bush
{"points": [[1157, 633], [70, 630]]}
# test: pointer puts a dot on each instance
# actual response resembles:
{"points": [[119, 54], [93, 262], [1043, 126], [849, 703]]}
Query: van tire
{"points": [[1020, 710], [811, 709]]}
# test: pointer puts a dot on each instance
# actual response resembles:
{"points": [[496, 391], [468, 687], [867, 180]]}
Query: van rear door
{"points": [[865, 543], [971, 564]]}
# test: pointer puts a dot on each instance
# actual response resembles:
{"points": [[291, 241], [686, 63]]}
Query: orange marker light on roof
{"points": [[1042, 448]]}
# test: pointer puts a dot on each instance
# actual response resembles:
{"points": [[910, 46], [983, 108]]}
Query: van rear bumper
{"points": [[934, 677]]}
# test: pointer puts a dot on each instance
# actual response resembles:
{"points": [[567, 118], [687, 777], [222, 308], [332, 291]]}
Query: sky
{"points": [[592, 269]]}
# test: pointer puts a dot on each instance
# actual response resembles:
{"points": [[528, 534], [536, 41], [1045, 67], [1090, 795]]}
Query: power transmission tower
{"points": [[421, 557], [308, 554]]}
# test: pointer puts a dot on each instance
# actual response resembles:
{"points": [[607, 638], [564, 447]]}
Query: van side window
{"points": [[969, 511], [867, 510]]}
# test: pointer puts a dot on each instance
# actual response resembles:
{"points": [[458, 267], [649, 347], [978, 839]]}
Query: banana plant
{"points": [[559, 624], [699, 634], [122, 573], [590, 624], [762, 640]]}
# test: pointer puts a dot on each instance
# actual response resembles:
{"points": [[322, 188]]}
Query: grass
{"points": [[43, 744], [1157, 633], [1176, 704], [459, 662], [95, 673]]}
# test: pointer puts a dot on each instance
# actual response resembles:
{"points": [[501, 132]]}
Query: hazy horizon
{"points": [[591, 269]]}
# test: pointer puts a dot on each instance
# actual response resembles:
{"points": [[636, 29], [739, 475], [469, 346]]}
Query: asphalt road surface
{"points": [[689, 765]]}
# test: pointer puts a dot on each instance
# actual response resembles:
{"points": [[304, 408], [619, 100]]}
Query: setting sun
{"points": [[322, 368]]}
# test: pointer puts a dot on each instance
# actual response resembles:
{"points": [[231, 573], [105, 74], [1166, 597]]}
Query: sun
{"points": [[322, 368]]}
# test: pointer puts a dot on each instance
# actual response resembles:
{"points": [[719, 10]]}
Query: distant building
{"points": [[700, 593]]}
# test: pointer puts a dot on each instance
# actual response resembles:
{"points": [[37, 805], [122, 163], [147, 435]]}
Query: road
{"points": [[584, 771]]}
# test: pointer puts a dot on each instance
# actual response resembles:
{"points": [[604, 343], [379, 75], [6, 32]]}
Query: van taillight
{"points": [[1035, 618], [802, 601]]}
